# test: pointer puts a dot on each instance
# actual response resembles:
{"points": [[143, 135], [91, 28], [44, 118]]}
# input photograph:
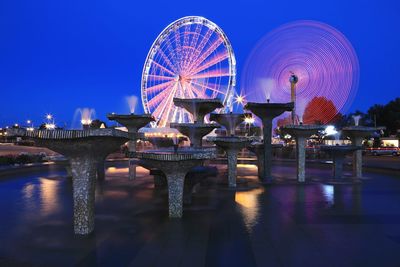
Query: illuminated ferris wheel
{"points": [[191, 58]]}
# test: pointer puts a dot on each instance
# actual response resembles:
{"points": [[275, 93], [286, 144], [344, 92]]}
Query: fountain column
{"points": [[85, 150], [230, 143], [175, 166], [267, 137], [301, 133], [338, 155], [301, 157], [267, 112], [133, 123], [83, 182], [198, 108], [100, 170], [357, 135], [357, 157]]}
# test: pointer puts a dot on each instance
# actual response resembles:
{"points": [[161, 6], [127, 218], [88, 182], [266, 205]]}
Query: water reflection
{"points": [[249, 206], [328, 193], [28, 191], [114, 170], [346, 197], [49, 195], [41, 195]]}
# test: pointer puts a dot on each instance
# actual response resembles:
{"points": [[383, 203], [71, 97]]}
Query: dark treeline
{"points": [[378, 115]]}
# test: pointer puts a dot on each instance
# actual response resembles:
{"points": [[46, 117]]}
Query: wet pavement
{"points": [[285, 224]]}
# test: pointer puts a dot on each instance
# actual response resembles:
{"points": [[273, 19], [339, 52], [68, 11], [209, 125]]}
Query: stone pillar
{"points": [[159, 181], [68, 169], [260, 163], [301, 158], [131, 162], [195, 141], [357, 157], [84, 181], [338, 160], [132, 169], [232, 154], [101, 175], [267, 131], [176, 180]]}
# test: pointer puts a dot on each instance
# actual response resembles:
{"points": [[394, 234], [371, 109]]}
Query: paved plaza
{"points": [[284, 224]]}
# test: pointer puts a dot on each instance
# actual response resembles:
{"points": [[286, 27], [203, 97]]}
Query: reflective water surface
{"points": [[315, 224]]}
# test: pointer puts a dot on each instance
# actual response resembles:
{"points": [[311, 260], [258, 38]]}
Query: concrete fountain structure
{"points": [[230, 144], [267, 112], [133, 123], [258, 149], [338, 154], [198, 108], [301, 132], [85, 149], [357, 134], [175, 165], [229, 120]]}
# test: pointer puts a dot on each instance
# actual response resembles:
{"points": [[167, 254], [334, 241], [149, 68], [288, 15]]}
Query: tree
{"points": [[387, 115], [320, 110], [97, 124]]}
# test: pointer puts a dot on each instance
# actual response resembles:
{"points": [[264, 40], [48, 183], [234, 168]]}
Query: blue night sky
{"points": [[57, 56]]}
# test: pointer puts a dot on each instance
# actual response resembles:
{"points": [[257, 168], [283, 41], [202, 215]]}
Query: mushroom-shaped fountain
{"points": [[338, 154], [229, 120], [301, 132], [85, 149], [133, 123], [267, 112], [198, 108], [175, 165], [357, 134], [230, 143]]}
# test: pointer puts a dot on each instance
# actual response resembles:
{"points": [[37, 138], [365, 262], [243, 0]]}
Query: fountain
{"points": [[258, 149], [357, 134], [229, 120], [267, 112], [338, 153], [230, 143], [132, 102], [175, 165], [85, 116], [133, 123], [198, 108], [301, 132], [85, 149]]}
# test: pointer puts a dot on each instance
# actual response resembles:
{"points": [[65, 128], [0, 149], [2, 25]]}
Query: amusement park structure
{"points": [[191, 58]]}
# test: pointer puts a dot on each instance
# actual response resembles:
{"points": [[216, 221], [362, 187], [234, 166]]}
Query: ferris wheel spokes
{"points": [[191, 58], [211, 63], [211, 74], [206, 53]]}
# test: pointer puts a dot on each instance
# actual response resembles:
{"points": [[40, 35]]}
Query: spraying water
{"points": [[337, 137], [301, 104], [356, 119], [83, 116], [132, 103], [267, 86]]}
